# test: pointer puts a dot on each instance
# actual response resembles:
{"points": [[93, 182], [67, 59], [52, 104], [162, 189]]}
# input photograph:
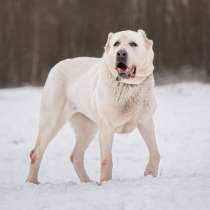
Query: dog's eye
{"points": [[133, 44], [117, 43]]}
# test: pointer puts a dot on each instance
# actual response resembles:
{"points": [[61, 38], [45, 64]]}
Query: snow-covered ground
{"points": [[183, 132]]}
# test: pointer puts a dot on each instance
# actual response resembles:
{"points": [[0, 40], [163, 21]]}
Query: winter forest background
{"points": [[37, 34]]}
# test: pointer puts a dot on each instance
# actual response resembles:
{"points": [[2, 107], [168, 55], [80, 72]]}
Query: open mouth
{"points": [[124, 71]]}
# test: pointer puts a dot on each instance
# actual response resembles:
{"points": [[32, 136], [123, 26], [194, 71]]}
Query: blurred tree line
{"points": [[35, 34]]}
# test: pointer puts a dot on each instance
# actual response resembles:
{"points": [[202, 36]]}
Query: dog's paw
{"points": [[101, 183], [33, 181], [153, 166], [151, 172], [87, 180]]}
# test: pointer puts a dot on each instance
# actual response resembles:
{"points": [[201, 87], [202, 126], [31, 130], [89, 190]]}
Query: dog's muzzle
{"points": [[121, 65]]}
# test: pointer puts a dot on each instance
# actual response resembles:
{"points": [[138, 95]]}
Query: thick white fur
{"points": [[85, 92]]}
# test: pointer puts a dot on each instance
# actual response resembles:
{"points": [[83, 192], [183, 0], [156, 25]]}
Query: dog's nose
{"points": [[122, 54]]}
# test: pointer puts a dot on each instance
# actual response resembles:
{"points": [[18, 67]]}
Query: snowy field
{"points": [[183, 132]]}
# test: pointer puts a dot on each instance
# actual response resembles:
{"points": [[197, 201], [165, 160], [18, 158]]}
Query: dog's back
{"points": [[72, 69]]}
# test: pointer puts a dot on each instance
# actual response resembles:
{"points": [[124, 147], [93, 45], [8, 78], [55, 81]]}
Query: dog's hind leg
{"points": [[51, 120], [85, 130]]}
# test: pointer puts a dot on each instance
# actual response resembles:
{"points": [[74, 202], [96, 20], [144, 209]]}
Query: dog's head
{"points": [[129, 55]]}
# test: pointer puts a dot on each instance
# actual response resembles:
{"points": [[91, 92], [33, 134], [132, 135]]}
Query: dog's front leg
{"points": [[147, 131], [106, 139]]}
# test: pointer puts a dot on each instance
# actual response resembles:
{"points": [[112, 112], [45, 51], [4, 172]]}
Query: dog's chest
{"points": [[122, 118], [123, 106]]}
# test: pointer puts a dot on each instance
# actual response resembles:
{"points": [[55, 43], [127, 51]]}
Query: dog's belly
{"points": [[127, 127]]}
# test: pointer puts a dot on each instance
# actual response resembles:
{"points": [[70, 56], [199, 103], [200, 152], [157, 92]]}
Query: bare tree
{"points": [[37, 34]]}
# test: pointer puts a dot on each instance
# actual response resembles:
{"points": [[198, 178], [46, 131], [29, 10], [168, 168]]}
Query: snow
{"points": [[183, 132]]}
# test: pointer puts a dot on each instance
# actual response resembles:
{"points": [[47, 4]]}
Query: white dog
{"points": [[112, 94]]}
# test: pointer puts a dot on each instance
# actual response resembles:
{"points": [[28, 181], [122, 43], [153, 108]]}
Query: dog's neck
{"points": [[121, 92]]}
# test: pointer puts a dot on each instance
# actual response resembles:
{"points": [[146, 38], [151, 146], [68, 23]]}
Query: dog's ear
{"points": [[148, 42], [107, 45]]}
